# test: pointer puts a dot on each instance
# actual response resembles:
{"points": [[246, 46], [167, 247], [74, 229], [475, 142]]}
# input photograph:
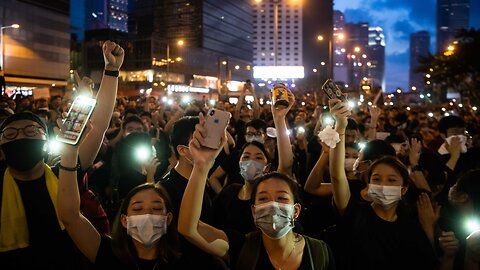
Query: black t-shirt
{"points": [[50, 247], [232, 168], [106, 259], [236, 240], [195, 258], [230, 212], [373, 243]]}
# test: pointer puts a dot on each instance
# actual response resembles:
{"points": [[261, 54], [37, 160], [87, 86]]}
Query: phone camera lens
{"points": [[212, 112]]}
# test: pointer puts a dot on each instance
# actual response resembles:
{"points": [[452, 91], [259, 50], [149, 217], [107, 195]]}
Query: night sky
{"points": [[399, 18]]}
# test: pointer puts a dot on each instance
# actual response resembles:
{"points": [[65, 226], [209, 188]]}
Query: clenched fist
{"points": [[113, 55]]}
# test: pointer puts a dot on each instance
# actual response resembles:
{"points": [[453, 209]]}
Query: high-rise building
{"points": [[106, 14], [216, 43], [375, 59], [289, 47], [452, 15], [37, 53], [340, 63], [356, 50], [317, 39], [419, 47]]}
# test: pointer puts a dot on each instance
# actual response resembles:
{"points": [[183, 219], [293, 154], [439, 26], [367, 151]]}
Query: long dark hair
{"points": [[407, 206], [122, 243], [292, 184], [259, 146]]}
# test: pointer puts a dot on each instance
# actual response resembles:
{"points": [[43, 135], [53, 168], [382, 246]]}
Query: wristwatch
{"points": [[113, 73]]}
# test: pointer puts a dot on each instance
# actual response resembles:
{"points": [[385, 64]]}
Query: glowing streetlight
{"points": [[357, 49], [2, 45], [414, 88], [341, 36], [320, 37], [180, 43]]}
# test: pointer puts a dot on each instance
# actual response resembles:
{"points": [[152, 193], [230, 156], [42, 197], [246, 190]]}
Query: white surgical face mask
{"points": [[249, 169], [385, 196], [275, 219], [255, 138], [349, 163], [147, 229]]}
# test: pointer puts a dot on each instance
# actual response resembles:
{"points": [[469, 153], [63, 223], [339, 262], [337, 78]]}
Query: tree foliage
{"points": [[458, 69]]}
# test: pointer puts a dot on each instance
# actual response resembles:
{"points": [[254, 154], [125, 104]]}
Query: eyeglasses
{"points": [[258, 133], [11, 133]]}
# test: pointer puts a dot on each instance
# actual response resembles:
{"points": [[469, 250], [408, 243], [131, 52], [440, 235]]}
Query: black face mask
{"points": [[22, 155]]}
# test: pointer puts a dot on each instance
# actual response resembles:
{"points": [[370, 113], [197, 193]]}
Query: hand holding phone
{"points": [[76, 120], [216, 122], [332, 90]]}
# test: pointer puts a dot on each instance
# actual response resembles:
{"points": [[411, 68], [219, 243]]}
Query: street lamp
{"points": [[3, 45], [179, 43], [330, 56]]}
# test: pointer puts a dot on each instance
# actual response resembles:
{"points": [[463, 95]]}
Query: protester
{"points": [[376, 233], [276, 245], [30, 227]]}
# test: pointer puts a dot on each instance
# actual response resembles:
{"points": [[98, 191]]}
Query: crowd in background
{"points": [[437, 156]]}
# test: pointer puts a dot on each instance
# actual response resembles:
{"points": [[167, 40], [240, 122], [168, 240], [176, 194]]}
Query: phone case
{"points": [[77, 119], [215, 124], [332, 90]]}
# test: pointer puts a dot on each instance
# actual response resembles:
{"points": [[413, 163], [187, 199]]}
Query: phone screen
{"points": [[77, 119], [332, 90]]}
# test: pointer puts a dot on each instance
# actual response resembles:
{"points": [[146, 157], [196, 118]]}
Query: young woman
{"points": [[232, 205], [376, 235], [275, 209], [144, 236]]}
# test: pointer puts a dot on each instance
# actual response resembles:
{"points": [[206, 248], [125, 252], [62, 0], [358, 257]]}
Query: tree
{"points": [[458, 67]]}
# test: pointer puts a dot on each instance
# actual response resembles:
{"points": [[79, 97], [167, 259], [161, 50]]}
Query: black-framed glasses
{"points": [[258, 133], [11, 133]]}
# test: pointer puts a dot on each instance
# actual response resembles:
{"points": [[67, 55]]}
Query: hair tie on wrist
{"points": [[70, 169], [329, 136]]}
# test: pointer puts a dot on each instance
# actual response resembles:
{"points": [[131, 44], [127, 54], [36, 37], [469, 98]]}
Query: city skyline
{"points": [[417, 16]]}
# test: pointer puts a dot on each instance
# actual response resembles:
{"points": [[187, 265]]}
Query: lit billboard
{"points": [[278, 72]]}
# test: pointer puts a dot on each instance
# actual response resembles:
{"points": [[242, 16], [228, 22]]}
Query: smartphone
{"points": [[332, 90], [215, 123], [77, 119]]}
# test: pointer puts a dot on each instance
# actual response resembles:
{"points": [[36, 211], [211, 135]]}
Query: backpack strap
{"points": [[248, 257], [318, 253]]}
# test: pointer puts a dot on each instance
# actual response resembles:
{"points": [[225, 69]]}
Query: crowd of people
{"points": [[306, 185]]}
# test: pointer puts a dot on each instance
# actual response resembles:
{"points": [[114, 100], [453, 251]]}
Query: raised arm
{"points": [[372, 130], [314, 184], [256, 103], [202, 235], [238, 107], [284, 146], [82, 232], [113, 55], [341, 190]]}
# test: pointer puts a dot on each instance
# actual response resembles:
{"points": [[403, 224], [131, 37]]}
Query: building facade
{"points": [[290, 44], [340, 63], [106, 14], [375, 60], [452, 15], [419, 47], [37, 54]]}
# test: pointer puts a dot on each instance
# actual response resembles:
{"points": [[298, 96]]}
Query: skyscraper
{"points": [[317, 39], [356, 50], [419, 47], [452, 15], [340, 63], [375, 60], [290, 44], [106, 14], [37, 53]]}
